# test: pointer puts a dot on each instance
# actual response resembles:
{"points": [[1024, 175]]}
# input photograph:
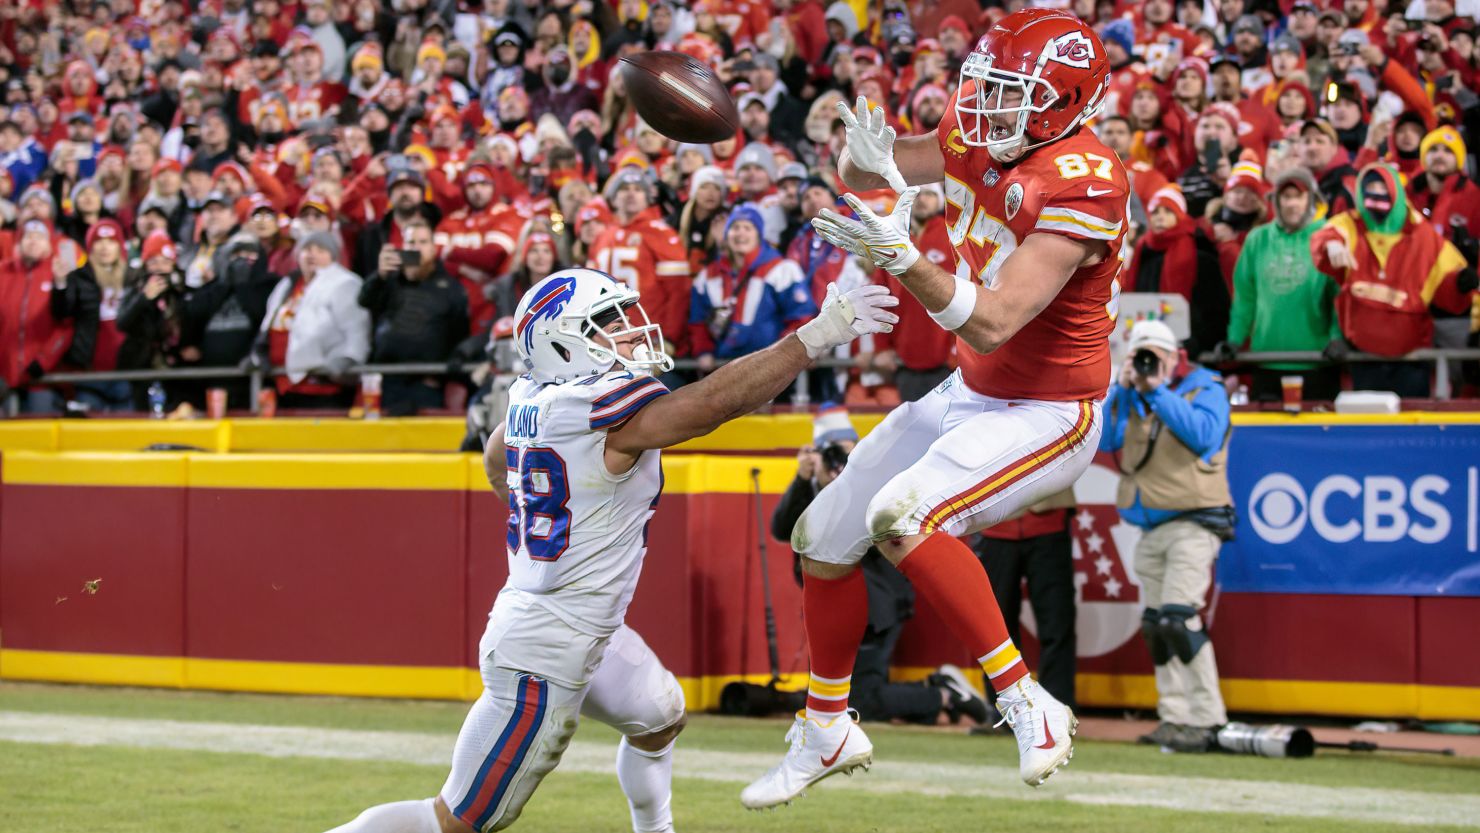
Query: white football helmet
{"points": [[561, 328]]}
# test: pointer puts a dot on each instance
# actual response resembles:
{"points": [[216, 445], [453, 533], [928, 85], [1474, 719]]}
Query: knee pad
{"points": [[1161, 653], [1184, 640]]}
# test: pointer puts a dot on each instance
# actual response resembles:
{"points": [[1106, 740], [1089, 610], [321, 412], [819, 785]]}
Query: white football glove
{"points": [[884, 241], [871, 142], [846, 316]]}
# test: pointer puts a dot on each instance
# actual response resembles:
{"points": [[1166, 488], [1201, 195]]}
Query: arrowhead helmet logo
{"points": [[1072, 49]]}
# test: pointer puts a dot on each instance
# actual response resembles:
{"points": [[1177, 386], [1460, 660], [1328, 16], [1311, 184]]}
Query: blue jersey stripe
{"points": [[627, 412]]}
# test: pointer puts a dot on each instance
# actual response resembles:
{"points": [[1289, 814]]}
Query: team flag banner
{"points": [[1371, 510]]}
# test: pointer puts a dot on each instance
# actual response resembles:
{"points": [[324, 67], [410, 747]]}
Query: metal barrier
{"points": [[256, 378], [1441, 358]]}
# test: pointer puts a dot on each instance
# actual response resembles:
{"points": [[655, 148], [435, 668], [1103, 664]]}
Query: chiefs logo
{"points": [[1073, 49]]}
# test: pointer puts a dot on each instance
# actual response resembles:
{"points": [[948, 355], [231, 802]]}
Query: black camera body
{"points": [[834, 456], [1145, 362]]}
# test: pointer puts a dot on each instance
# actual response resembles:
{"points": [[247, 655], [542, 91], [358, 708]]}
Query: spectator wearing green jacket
{"points": [[1280, 301]]}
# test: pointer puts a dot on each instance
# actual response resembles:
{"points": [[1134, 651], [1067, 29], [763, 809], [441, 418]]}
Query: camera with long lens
{"points": [[1146, 363]]}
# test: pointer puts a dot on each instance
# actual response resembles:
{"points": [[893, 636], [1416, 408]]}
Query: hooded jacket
{"points": [[34, 339], [1402, 266], [1280, 300]]}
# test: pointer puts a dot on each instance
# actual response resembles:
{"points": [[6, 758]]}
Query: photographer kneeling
{"points": [[1169, 420], [891, 600]]}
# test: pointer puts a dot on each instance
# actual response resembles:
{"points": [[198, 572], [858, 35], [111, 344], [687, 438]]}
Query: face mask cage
{"points": [[625, 310], [985, 92]]}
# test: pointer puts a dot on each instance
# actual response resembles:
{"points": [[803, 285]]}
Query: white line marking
{"points": [[1257, 798], [1474, 521], [686, 91]]}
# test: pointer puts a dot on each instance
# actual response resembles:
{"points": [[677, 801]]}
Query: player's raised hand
{"points": [[847, 315], [885, 241], [871, 142]]}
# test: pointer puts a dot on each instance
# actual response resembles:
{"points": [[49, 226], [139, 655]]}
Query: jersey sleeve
{"points": [[617, 397], [1086, 209]]}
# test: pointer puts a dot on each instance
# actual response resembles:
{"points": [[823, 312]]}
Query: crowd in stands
{"points": [[317, 184]]}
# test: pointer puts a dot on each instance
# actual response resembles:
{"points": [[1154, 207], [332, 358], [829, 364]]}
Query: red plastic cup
{"points": [[216, 403], [1293, 390], [267, 403]]}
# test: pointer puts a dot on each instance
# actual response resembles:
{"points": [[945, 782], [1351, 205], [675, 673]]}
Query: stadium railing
{"points": [[256, 378]]}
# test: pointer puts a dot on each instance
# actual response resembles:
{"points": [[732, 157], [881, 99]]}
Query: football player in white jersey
{"points": [[578, 459]]}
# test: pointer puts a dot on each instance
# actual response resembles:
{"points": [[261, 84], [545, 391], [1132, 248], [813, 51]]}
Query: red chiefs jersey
{"points": [[648, 255], [476, 246], [313, 101], [1075, 187]]}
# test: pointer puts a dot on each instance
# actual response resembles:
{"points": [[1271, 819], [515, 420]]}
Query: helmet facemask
{"points": [[601, 344], [987, 91]]}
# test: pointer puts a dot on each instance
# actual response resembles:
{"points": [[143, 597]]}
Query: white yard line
{"points": [[913, 777]]}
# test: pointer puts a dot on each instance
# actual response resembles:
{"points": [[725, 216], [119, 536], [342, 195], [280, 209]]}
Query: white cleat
{"points": [[1044, 727], [817, 751]]}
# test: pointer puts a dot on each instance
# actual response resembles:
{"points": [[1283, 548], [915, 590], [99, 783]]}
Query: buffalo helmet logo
{"points": [[548, 306], [1072, 49]]}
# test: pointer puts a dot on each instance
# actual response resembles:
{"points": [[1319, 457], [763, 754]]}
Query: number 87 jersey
{"points": [[577, 533], [1075, 187]]}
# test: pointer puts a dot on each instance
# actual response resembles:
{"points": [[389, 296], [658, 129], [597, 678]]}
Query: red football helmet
{"points": [[1053, 60]]}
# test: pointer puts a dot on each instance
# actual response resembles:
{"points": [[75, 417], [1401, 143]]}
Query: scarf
{"points": [[1178, 263]]}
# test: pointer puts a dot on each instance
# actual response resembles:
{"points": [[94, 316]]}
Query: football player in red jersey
{"points": [[1036, 208]]}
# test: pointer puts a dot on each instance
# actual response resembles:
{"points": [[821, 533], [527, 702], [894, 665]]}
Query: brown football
{"points": [[680, 97]]}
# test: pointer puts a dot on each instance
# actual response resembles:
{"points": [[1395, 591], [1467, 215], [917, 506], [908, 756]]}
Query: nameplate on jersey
{"points": [[523, 422]]}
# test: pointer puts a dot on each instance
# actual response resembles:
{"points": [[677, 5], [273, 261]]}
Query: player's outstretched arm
{"points": [[495, 464], [1027, 282], [748, 382]]}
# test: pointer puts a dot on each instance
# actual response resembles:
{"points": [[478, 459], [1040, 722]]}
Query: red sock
{"points": [[948, 574], [835, 616]]}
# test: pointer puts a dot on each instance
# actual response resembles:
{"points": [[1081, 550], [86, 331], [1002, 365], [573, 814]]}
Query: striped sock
{"points": [[1003, 665], [827, 697], [836, 615]]}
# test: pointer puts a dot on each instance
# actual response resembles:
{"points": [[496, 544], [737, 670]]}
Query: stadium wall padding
{"points": [[372, 574]]}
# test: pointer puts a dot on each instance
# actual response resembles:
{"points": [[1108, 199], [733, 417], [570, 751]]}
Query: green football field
{"points": [[96, 759]]}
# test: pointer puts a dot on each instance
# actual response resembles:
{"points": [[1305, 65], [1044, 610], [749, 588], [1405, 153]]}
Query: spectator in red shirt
{"points": [[89, 296], [35, 339]]}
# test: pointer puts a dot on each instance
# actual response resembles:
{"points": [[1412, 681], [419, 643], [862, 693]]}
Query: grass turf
{"points": [[59, 788]]}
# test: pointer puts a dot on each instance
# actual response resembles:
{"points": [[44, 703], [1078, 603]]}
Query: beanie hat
{"points": [[757, 154], [84, 185], [158, 244], [709, 175], [702, 150], [369, 55], [746, 213], [1120, 31], [595, 208], [1448, 137], [1248, 174], [104, 229], [36, 192], [1171, 198], [831, 424], [430, 49], [323, 239], [1225, 111], [533, 238]]}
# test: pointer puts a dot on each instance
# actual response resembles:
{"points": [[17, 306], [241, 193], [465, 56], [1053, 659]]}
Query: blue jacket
{"points": [[731, 314], [26, 164], [1201, 424]]}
